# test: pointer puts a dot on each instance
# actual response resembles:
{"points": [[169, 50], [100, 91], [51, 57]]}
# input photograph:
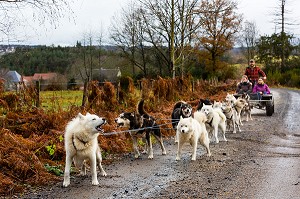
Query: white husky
{"points": [[215, 120], [81, 143], [191, 131]]}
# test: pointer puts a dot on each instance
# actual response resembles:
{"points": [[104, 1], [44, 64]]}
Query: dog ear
{"points": [[181, 117], [80, 116]]}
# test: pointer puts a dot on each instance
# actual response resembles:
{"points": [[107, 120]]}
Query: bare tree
{"points": [[100, 43], [220, 25], [13, 14], [168, 27], [248, 39], [127, 32], [173, 25]]}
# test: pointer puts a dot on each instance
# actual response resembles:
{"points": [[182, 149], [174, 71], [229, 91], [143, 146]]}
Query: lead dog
{"points": [[81, 143], [145, 125], [191, 131]]}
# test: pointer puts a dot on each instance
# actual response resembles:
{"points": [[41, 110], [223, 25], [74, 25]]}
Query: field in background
{"points": [[60, 99]]}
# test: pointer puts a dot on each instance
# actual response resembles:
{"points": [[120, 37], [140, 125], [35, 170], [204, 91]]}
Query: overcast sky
{"points": [[95, 15]]}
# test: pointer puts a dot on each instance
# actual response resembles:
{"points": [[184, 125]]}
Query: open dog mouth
{"points": [[99, 128]]}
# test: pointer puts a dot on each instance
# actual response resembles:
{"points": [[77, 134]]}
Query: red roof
{"points": [[44, 76], [27, 78]]}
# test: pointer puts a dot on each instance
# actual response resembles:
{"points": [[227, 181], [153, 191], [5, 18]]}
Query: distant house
{"points": [[110, 75], [12, 80], [45, 77], [47, 80]]}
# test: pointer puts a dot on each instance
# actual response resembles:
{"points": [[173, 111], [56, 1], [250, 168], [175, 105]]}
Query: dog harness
{"points": [[210, 123], [229, 118]]}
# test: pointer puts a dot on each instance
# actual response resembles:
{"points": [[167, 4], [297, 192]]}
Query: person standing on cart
{"points": [[253, 72]]}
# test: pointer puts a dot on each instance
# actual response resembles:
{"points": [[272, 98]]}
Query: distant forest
{"points": [[28, 60]]}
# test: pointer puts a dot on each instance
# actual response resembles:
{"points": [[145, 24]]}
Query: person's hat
{"points": [[251, 60]]}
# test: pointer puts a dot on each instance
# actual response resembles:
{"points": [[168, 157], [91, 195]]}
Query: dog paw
{"points": [[164, 153], [150, 157], [103, 173], [144, 152], [136, 156], [82, 173], [95, 182], [66, 184], [177, 158]]}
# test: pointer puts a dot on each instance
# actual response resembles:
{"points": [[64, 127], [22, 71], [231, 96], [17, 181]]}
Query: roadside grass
{"points": [[60, 100]]}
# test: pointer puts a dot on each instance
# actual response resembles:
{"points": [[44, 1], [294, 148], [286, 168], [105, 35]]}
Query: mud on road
{"points": [[263, 161]]}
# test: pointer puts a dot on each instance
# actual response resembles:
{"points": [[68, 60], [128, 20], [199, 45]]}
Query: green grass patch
{"points": [[60, 99]]}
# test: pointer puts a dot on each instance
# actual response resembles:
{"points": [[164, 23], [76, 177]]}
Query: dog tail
{"points": [[140, 107], [221, 114]]}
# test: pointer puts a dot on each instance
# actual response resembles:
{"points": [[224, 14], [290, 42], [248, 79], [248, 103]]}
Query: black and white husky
{"points": [[145, 126], [180, 109]]}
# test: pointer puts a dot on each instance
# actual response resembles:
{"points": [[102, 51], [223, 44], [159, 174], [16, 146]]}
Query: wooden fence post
{"points": [[37, 89], [85, 93]]}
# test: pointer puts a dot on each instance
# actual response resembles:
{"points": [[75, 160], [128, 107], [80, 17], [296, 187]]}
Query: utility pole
{"points": [[282, 35], [172, 50]]}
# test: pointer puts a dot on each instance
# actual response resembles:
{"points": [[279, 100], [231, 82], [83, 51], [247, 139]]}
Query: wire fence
{"points": [[142, 129]]}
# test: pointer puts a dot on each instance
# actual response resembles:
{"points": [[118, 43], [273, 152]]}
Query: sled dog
{"points": [[191, 131], [215, 120], [180, 109], [231, 117], [145, 126], [81, 144], [201, 102], [247, 108]]}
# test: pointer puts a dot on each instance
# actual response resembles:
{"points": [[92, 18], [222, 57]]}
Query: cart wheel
{"points": [[269, 108]]}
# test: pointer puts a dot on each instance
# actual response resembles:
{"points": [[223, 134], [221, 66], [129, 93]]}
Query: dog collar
{"points": [[73, 142]]}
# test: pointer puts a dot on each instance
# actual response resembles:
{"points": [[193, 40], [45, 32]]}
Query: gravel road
{"points": [[263, 161]]}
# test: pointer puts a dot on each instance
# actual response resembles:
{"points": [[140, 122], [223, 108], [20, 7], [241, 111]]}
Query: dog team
{"points": [[203, 125]]}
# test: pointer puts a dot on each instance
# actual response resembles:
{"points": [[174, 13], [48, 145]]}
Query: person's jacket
{"points": [[261, 88], [254, 73], [244, 87]]}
